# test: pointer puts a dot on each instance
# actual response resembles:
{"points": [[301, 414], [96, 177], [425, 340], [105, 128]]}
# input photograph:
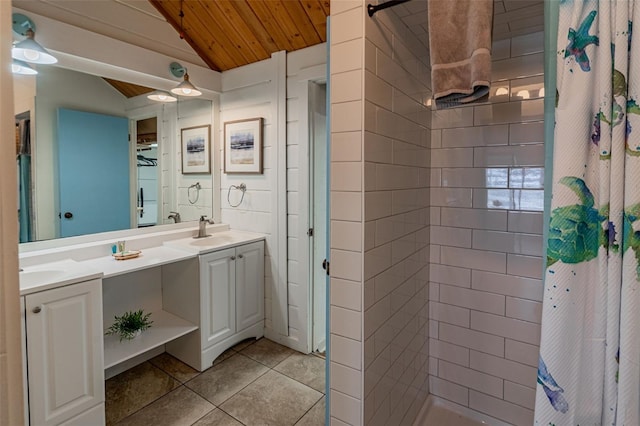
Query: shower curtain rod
{"points": [[373, 9]]}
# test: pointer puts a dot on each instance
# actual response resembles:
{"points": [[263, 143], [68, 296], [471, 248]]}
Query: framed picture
{"points": [[243, 146], [196, 149]]}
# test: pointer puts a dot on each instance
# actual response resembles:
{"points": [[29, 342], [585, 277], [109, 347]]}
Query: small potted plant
{"points": [[130, 324]]}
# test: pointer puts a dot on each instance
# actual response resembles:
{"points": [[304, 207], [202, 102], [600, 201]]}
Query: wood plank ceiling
{"points": [[230, 33]]}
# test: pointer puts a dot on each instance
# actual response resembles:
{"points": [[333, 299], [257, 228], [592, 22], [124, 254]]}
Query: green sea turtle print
{"points": [[576, 231]]}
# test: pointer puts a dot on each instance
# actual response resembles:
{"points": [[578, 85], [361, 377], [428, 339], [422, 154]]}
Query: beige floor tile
{"points": [[217, 418], [181, 407], [307, 369], [220, 382], [267, 352], [315, 416], [128, 392], [174, 367], [273, 399]]}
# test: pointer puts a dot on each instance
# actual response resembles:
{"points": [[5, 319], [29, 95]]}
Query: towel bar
{"points": [[373, 9]]}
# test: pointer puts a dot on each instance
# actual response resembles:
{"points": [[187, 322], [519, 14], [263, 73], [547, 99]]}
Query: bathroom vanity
{"points": [[204, 296]]}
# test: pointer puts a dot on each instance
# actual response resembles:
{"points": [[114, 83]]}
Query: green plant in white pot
{"points": [[130, 324]]}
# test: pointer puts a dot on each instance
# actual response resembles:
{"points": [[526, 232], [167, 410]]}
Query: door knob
{"points": [[36, 310], [233, 258], [68, 215], [241, 256]]}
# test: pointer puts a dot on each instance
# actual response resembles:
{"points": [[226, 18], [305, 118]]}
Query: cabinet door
{"points": [[64, 352], [249, 284], [218, 298]]}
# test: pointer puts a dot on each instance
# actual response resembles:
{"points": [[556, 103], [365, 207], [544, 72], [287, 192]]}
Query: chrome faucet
{"points": [[202, 227], [175, 216]]}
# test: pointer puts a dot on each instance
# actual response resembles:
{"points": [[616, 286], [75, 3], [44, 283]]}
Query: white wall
{"points": [[253, 91], [303, 66], [24, 93], [485, 288], [60, 88], [185, 114]]}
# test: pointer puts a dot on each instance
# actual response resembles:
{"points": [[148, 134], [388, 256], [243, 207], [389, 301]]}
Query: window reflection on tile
{"points": [[531, 178], [497, 178], [529, 200], [508, 199], [499, 199]]}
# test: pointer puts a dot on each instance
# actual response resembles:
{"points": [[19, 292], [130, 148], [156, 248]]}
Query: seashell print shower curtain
{"points": [[590, 347]]}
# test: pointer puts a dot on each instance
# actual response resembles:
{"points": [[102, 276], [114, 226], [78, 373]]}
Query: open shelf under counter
{"points": [[165, 328]]}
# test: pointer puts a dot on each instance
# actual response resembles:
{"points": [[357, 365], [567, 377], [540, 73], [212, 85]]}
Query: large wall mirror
{"points": [[94, 155]]}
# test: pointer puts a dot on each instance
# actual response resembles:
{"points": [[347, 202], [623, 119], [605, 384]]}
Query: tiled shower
{"points": [[446, 209]]}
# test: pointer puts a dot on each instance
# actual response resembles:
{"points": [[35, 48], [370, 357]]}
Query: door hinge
{"points": [[310, 232], [326, 266]]}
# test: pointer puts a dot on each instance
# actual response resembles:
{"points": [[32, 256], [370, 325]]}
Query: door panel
{"points": [[93, 160], [65, 352], [217, 303], [249, 284]]}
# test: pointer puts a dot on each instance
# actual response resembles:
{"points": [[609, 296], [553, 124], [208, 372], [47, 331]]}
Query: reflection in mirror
{"points": [[147, 171], [59, 181]]}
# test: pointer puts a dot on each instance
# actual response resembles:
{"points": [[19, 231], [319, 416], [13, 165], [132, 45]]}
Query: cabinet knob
{"points": [[241, 256], [233, 258], [36, 310]]}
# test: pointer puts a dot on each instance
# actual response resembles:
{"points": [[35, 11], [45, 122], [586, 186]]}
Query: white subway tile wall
{"points": [[436, 221], [396, 215], [347, 228], [487, 200]]}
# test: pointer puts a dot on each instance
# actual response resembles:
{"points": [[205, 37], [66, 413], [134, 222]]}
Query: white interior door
{"points": [[318, 209]]}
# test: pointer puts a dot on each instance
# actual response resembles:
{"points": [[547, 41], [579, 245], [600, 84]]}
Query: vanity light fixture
{"points": [[161, 96], [186, 88], [21, 67], [29, 50]]}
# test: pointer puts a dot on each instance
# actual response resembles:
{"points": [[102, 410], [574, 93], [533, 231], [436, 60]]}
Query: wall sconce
{"points": [[185, 88], [29, 50], [161, 96], [21, 67]]}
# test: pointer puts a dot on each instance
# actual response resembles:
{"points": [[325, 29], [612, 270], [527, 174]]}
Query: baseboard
{"points": [[433, 401]]}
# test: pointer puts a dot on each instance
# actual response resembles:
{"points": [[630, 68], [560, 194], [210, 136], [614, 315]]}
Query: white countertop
{"points": [[46, 275], [55, 274], [216, 241]]}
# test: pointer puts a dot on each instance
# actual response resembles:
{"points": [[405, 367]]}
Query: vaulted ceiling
{"points": [[230, 33]]}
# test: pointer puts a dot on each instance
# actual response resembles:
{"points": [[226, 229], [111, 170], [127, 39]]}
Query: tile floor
{"points": [[257, 382]]}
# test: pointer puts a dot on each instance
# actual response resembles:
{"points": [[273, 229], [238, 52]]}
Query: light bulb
{"points": [[31, 55], [541, 93], [524, 94], [502, 91], [186, 91]]}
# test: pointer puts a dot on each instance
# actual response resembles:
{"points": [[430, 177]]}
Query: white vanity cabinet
{"points": [[231, 298], [65, 355]]}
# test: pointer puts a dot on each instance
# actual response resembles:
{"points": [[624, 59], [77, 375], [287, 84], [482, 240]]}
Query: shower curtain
{"points": [[588, 370]]}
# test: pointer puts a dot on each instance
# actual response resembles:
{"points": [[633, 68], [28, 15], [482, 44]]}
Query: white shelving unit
{"points": [[165, 328]]}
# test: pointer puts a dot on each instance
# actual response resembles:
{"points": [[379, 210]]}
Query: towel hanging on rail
{"points": [[460, 50]]}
